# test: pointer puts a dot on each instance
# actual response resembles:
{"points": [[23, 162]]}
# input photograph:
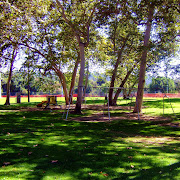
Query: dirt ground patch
{"points": [[100, 115]]}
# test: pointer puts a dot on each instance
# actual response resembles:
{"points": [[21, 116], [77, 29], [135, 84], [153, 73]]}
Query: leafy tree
{"points": [[175, 71], [37, 82], [162, 84], [124, 65], [13, 21], [51, 42], [79, 15], [125, 40], [60, 34], [157, 14], [12, 60], [177, 85], [100, 81]]}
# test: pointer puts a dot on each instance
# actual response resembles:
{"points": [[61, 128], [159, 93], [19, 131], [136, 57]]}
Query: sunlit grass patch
{"points": [[43, 145], [18, 171]]}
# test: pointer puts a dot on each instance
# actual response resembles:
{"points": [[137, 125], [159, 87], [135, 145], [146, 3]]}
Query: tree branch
{"points": [[35, 50], [68, 21], [89, 22]]}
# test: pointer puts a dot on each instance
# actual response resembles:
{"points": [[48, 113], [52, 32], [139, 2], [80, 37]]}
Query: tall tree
{"points": [[159, 13], [125, 38], [11, 22], [123, 83], [51, 41], [141, 83], [79, 15], [41, 32], [12, 60]]}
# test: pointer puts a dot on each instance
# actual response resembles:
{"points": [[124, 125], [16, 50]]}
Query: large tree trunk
{"points": [[28, 84], [73, 80], [121, 86], [63, 82], [141, 83], [79, 34], [8, 85], [86, 83], [80, 85], [115, 72], [10, 76], [131, 88]]}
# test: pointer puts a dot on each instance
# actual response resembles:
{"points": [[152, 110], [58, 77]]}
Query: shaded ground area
{"points": [[100, 114], [162, 121], [39, 144]]}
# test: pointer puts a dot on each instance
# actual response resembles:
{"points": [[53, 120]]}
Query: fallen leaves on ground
{"points": [[54, 161], [6, 163]]}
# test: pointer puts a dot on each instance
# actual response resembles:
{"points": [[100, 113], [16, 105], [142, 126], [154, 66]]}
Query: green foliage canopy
{"points": [[162, 84]]}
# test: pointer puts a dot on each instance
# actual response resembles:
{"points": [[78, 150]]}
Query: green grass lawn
{"points": [[42, 145], [25, 99]]}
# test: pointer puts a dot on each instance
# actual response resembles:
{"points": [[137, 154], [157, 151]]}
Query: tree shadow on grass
{"points": [[37, 145], [159, 103], [171, 171]]}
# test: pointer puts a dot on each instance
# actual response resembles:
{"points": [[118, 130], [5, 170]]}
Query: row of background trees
{"points": [[56, 37], [50, 84]]}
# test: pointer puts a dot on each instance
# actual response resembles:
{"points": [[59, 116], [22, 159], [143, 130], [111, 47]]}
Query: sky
{"points": [[98, 68]]}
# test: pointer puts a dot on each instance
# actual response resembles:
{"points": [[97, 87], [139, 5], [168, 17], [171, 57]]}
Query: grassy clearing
{"points": [[25, 99], [41, 145]]}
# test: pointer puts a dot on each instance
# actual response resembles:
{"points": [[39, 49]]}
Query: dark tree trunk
{"points": [[86, 83], [73, 80], [63, 82], [28, 85], [115, 72], [121, 86], [131, 88], [10, 76]]}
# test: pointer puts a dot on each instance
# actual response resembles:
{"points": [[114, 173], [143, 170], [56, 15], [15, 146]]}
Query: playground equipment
{"points": [[100, 92], [165, 96], [50, 100], [68, 108]]}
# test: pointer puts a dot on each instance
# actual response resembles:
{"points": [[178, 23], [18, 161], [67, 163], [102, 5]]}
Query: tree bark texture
{"points": [[131, 88], [86, 83], [141, 83], [10, 76], [81, 77], [121, 86], [73, 80], [28, 84], [63, 82], [115, 72]]}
